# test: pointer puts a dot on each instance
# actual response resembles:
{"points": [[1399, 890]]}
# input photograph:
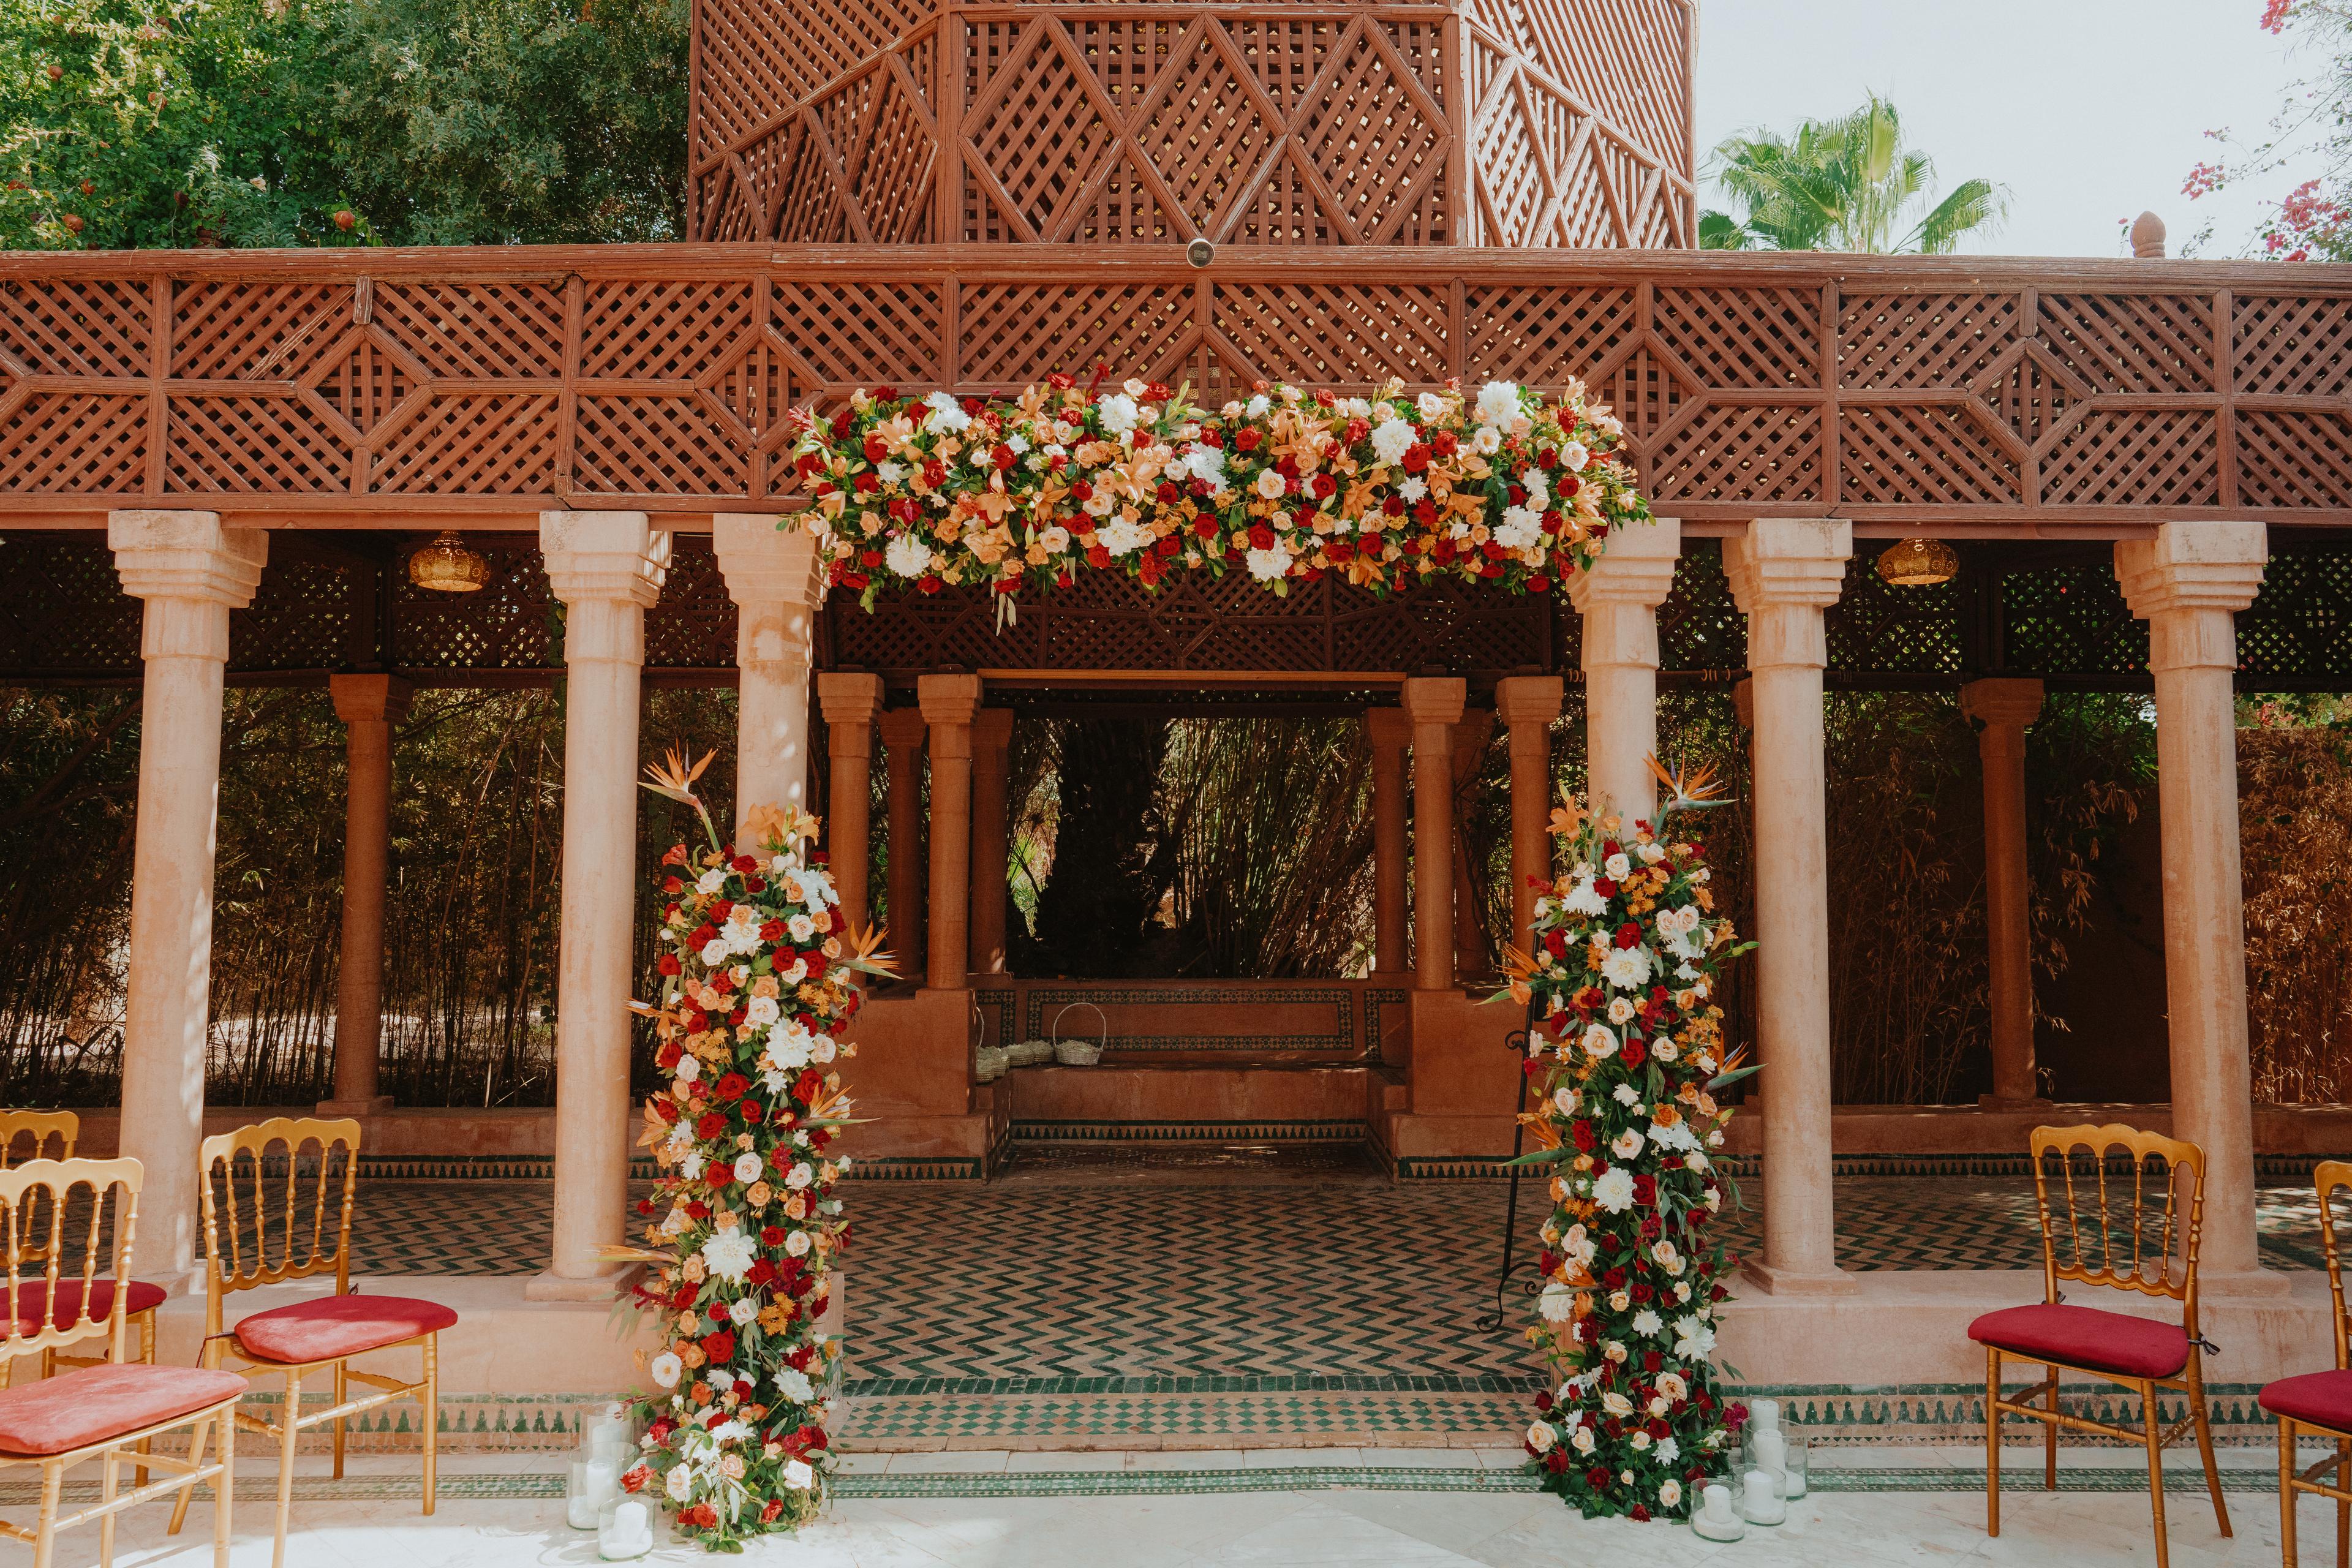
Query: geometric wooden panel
{"points": [[1922, 391], [1553, 122]]}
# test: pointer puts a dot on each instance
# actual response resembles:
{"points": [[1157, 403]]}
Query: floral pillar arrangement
{"points": [[758, 977], [1625, 1045], [1504, 485]]}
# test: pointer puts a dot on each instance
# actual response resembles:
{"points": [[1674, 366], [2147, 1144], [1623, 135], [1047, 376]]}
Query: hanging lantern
{"points": [[1919, 564], [447, 566]]}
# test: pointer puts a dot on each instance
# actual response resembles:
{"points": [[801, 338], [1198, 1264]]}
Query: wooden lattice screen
{"points": [[1505, 122], [1924, 391]]}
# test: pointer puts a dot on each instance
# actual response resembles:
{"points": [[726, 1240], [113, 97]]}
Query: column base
{"points": [[2242, 1283], [1774, 1281], [376, 1105], [553, 1287]]}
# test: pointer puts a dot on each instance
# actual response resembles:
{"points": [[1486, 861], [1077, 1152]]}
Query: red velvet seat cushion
{"points": [[2086, 1337], [31, 1293], [91, 1403], [335, 1326], [2320, 1398]]}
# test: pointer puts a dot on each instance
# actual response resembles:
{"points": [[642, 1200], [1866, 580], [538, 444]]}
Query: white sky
{"points": [[2088, 111]]}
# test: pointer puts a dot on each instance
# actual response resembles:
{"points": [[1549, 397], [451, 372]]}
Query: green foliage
{"points": [[1845, 184], [128, 123]]}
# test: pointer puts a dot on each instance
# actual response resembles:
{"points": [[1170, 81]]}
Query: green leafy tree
{"points": [[128, 123], [1845, 184]]}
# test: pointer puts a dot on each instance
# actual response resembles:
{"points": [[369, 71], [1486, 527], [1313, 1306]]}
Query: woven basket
{"points": [[1080, 1053]]}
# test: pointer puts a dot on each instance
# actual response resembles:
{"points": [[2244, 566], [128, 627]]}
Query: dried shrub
{"points": [[2295, 824]]}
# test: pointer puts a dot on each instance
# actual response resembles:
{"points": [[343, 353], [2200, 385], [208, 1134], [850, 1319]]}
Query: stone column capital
{"points": [[370, 698], [2007, 702], [615, 556], [948, 701], [849, 697], [1788, 561], [901, 727], [2193, 566], [1524, 699], [187, 555], [765, 563], [991, 732], [1784, 571], [1436, 699], [1389, 729], [1636, 566]]}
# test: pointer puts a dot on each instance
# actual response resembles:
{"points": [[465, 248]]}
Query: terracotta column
{"points": [[1528, 704], [1434, 706], [950, 703], [1470, 737], [606, 567], [2002, 710], [369, 706], [850, 700], [771, 574], [2188, 584], [190, 572], [1619, 599], [902, 732], [1389, 733], [1784, 571], [992, 744]]}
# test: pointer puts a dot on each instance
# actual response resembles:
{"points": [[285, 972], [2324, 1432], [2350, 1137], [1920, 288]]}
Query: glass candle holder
{"points": [[1796, 1466], [1759, 1499]]}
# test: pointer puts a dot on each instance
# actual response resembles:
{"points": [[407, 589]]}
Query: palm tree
{"points": [[1846, 184]]}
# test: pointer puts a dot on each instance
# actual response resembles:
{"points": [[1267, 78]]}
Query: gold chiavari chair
{"points": [[51, 1135], [288, 1237], [2150, 1249], [100, 1410], [2319, 1403]]}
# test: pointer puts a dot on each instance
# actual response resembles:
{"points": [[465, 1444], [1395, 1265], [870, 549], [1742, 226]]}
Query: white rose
{"points": [[761, 1012], [1118, 413], [1563, 1100], [797, 1244], [679, 1483], [688, 1068], [801, 928], [1390, 440], [798, 1476], [1626, 1145], [1432, 405], [1599, 1041], [667, 1369], [1487, 440], [1499, 402], [716, 950], [1055, 538], [908, 556], [1573, 456], [798, 1176], [1581, 1439], [1670, 1490], [1270, 484], [1541, 1437], [742, 1310], [710, 881], [748, 1167], [1617, 868]]}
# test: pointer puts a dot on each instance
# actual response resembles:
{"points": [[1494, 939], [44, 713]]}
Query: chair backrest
{"points": [[2128, 1232], [2332, 1177], [267, 1216], [34, 1132], [79, 1215]]}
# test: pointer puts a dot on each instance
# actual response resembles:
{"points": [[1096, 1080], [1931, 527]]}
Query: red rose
{"points": [[720, 1346], [711, 1125], [670, 964], [635, 1477], [1260, 537], [817, 962], [1246, 439], [771, 1510], [773, 1236], [732, 1087], [702, 1516], [1416, 458]]}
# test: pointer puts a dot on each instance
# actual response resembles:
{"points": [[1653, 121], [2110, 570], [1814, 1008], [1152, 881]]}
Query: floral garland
{"points": [[758, 976], [939, 490], [1627, 1050]]}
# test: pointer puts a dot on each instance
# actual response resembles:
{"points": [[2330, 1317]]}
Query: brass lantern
{"points": [[447, 566], [1919, 564]]}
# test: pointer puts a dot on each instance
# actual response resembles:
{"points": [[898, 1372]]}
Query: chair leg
{"points": [[340, 1384], [225, 1486], [146, 1358], [2155, 1470], [1992, 1441], [2205, 1442], [2050, 1436], [109, 1486], [432, 1419], [45, 1542], [188, 1492], [288, 1436], [2343, 1509], [2286, 1492]]}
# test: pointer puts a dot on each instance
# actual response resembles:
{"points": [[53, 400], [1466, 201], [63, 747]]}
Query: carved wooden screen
{"points": [[1520, 123], [1917, 391]]}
